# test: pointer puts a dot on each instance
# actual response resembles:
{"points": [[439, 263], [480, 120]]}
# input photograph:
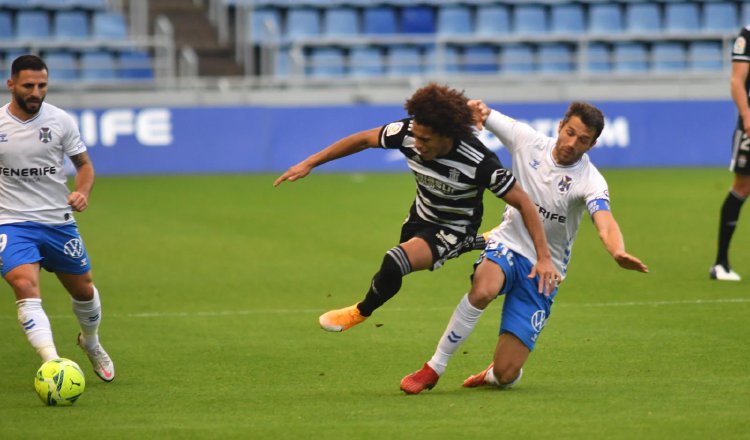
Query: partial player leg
{"points": [[88, 309], [506, 370], [24, 280]]}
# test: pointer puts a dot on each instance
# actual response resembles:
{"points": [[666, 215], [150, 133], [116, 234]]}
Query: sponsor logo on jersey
{"points": [[549, 215], [564, 184], [393, 128], [434, 183], [3, 137], [27, 172], [73, 248], [454, 174], [45, 134], [739, 46], [538, 320]]}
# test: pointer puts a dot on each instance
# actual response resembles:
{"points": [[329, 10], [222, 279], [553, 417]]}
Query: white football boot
{"points": [[719, 273], [103, 365]]}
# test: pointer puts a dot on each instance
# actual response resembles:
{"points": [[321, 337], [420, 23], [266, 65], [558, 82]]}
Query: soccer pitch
{"points": [[211, 288]]}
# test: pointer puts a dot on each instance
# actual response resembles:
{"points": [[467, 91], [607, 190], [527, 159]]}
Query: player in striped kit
{"points": [[563, 183], [452, 168], [37, 228]]}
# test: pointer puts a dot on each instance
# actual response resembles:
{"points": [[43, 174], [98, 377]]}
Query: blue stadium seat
{"points": [[417, 20], [265, 25], [454, 20], [302, 23], [630, 57], [493, 20], [135, 65], [450, 61], [705, 55], [605, 18], [326, 62], [643, 18], [71, 25], [403, 60], [6, 26], [381, 20], [32, 25], [517, 58], [480, 59], [720, 17], [567, 18], [62, 66], [97, 66], [555, 58], [10, 56], [282, 63], [668, 56], [598, 58], [340, 22], [109, 26], [530, 19], [366, 61], [745, 12], [681, 17]]}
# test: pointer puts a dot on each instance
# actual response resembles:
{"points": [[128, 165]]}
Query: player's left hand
{"points": [[479, 112], [627, 261], [78, 201], [549, 277]]}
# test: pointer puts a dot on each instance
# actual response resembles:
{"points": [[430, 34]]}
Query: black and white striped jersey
{"points": [[450, 188], [741, 54]]}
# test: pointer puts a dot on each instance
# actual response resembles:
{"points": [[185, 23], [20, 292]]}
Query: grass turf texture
{"points": [[212, 287]]}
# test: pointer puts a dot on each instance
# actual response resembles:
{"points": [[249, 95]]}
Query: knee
{"points": [[24, 287], [482, 293]]}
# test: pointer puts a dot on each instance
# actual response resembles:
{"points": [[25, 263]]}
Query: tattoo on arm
{"points": [[80, 160]]}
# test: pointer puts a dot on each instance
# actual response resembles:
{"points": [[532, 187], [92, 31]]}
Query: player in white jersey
{"points": [[560, 179], [452, 168], [37, 228]]}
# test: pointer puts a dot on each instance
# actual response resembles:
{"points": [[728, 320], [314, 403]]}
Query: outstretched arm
{"points": [[548, 276], [609, 233], [344, 147]]}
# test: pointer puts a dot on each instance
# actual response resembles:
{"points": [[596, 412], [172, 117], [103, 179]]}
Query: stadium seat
{"points": [[97, 66], [745, 13], [62, 66], [302, 23], [366, 61], [598, 58], [454, 20], [517, 58], [493, 20], [630, 57], [555, 58], [135, 65], [6, 26], [642, 18], [32, 25], [340, 22], [403, 60], [447, 61], [381, 20], [326, 62], [668, 56], [605, 18], [71, 25], [530, 19], [681, 17], [109, 26], [480, 59], [567, 18], [265, 25], [417, 20], [705, 55], [720, 17]]}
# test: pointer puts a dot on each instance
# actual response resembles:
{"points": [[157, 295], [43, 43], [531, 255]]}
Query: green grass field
{"points": [[212, 287]]}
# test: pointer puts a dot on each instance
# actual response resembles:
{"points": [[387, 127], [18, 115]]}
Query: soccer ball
{"points": [[59, 382]]}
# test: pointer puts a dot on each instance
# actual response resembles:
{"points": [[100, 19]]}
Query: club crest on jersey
{"points": [[393, 128], [45, 134], [73, 248], [564, 184], [454, 174], [739, 46]]}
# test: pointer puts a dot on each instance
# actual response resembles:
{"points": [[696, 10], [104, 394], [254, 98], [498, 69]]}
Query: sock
{"points": [[36, 326], [89, 314], [387, 282], [462, 323], [730, 212], [490, 378]]}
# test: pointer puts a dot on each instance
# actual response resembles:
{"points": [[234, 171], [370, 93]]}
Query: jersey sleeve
{"points": [[392, 135], [71, 139], [511, 132], [597, 194], [492, 175], [741, 49]]}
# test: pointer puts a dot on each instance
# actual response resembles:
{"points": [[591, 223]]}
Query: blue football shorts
{"points": [[525, 310], [59, 248]]}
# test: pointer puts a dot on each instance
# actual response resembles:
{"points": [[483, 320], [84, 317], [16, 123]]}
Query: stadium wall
{"points": [[242, 139]]}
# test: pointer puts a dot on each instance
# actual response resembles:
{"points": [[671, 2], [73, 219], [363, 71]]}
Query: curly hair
{"points": [[443, 109]]}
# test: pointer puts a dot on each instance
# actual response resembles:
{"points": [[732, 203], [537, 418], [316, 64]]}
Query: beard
{"points": [[31, 106]]}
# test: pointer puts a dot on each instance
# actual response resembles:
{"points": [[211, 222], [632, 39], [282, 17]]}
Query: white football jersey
{"points": [[32, 154], [561, 193]]}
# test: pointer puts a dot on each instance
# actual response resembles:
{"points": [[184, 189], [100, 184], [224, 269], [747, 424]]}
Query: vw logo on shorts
{"points": [[73, 248], [538, 319]]}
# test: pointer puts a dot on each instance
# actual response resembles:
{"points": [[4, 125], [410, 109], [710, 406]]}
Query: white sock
{"points": [[36, 326], [491, 379], [459, 328], [89, 314]]}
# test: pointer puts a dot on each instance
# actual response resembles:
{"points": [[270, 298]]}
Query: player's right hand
{"points": [[296, 172]]}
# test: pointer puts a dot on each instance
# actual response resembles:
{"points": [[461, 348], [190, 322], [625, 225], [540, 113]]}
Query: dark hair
{"points": [[591, 117], [443, 109], [27, 62]]}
